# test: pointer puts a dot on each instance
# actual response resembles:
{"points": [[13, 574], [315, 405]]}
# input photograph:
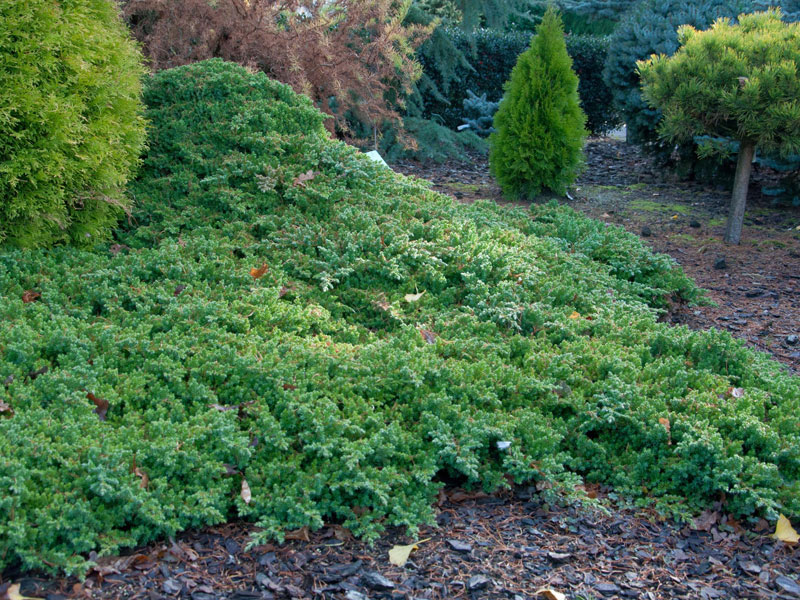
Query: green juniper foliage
{"points": [[540, 125], [735, 81], [71, 128], [433, 142], [492, 55], [314, 382]]}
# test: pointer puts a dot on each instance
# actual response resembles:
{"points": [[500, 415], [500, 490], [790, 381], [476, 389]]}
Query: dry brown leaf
{"points": [[301, 179], [101, 405], [29, 296], [5, 409], [183, 552], [785, 532], [706, 521], [140, 474], [550, 594], [342, 533], [246, 496], [301, 534], [459, 495], [143, 476], [259, 273], [428, 336], [413, 297]]}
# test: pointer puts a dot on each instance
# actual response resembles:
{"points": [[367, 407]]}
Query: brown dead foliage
{"points": [[353, 58]]}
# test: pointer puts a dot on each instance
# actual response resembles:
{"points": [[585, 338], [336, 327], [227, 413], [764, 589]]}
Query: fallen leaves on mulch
{"points": [[509, 546]]}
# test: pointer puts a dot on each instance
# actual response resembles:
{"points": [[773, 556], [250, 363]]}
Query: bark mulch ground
{"points": [[511, 544], [508, 545]]}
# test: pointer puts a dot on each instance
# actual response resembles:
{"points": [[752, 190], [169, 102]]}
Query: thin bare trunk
{"points": [[733, 230]]}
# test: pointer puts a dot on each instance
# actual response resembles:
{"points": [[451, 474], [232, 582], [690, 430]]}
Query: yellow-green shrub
{"points": [[71, 128]]}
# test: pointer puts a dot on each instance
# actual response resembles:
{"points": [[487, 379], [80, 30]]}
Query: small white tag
{"points": [[374, 155]]}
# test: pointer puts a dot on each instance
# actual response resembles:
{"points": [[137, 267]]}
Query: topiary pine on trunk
{"points": [[540, 125], [739, 81]]}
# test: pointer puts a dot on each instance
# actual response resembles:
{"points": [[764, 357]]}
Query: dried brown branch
{"points": [[354, 58]]}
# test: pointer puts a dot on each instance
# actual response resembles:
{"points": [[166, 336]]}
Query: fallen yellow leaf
{"points": [[550, 594], [12, 593], [414, 297], [246, 496], [398, 555], [785, 532], [575, 315]]}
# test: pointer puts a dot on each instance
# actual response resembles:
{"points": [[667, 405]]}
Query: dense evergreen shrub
{"points": [[734, 81], [650, 27], [492, 55], [432, 141], [479, 113], [319, 383], [71, 128], [538, 143]]}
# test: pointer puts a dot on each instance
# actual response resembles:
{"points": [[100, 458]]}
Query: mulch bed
{"points": [[485, 546], [509, 545]]}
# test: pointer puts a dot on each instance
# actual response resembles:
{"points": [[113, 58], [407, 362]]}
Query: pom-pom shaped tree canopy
{"points": [[738, 81]]}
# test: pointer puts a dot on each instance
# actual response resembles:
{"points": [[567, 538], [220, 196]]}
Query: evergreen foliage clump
{"points": [[479, 113], [650, 27], [432, 141], [735, 81], [455, 61], [283, 311], [540, 125], [71, 127]]}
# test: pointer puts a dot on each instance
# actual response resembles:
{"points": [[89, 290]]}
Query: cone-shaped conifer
{"points": [[540, 125]]}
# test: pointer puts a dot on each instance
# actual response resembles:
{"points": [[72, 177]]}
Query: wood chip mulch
{"points": [[509, 545]]}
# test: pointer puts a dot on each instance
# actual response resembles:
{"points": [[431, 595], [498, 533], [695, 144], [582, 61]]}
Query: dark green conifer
{"points": [[540, 125]]}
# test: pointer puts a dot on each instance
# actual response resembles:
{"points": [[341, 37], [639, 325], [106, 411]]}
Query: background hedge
{"points": [[493, 54]]}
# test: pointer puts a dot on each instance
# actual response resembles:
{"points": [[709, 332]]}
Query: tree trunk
{"points": [[733, 230]]}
